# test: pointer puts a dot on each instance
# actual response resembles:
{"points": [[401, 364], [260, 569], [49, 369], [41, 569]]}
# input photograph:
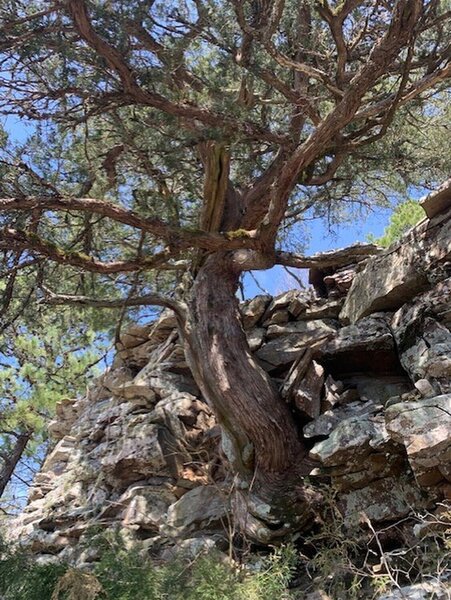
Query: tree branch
{"points": [[35, 244], [147, 300], [335, 258], [176, 237]]}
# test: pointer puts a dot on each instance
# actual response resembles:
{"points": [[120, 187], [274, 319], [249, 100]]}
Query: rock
{"points": [[59, 456], [307, 329], [204, 507], [401, 272], [298, 305], [191, 549], [424, 343], [351, 440], [387, 499], [66, 412], [367, 346], [323, 308], [339, 282], [282, 351], [330, 262], [133, 458], [307, 395], [425, 388], [324, 424], [255, 338], [424, 428], [277, 318], [146, 506], [252, 310], [281, 302], [296, 374], [437, 201], [428, 590], [331, 395], [134, 336]]}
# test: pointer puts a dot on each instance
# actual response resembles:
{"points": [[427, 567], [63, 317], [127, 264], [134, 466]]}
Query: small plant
{"points": [[123, 574]]}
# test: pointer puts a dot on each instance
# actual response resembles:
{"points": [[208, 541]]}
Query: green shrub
{"points": [[122, 574]]}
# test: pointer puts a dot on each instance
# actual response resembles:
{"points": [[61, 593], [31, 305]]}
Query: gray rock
{"points": [[255, 338], [324, 424], [428, 590], [350, 441], [367, 346], [383, 500], [437, 201], [424, 428], [401, 272], [282, 351], [204, 507], [306, 329], [424, 342], [307, 395], [252, 310], [146, 506]]}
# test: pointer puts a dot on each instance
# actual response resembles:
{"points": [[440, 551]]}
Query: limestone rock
{"points": [[255, 338], [351, 440], [307, 396], [424, 342], [437, 201], [324, 424], [146, 506], [282, 351], [306, 329]]}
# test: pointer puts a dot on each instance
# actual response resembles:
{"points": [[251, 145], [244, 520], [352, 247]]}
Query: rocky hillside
{"points": [[364, 360]]}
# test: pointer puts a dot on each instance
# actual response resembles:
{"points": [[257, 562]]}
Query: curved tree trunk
{"points": [[260, 437]]}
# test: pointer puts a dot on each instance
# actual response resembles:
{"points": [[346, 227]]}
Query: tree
{"points": [[176, 142], [405, 216]]}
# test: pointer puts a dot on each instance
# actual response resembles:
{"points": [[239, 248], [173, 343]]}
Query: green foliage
{"points": [[22, 578], [405, 216], [127, 575]]}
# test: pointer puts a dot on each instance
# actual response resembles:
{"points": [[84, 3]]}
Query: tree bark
{"points": [[11, 460], [259, 435]]}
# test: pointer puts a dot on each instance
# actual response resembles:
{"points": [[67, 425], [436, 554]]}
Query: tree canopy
{"points": [[174, 146]]}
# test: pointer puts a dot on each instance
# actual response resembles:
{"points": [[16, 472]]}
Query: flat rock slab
{"points": [[402, 271]]}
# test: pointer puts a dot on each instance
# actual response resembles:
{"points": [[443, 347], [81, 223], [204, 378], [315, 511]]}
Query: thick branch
{"points": [[35, 244], [335, 258], [176, 237]]}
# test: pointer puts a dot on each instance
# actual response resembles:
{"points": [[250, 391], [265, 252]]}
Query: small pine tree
{"points": [[405, 216]]}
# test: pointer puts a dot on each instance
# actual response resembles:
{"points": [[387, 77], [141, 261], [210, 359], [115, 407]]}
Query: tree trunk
{"points": [[259, 435], [11, 460]]}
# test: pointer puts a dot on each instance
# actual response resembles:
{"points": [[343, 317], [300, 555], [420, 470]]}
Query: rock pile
{"points": [[364, 363]]}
